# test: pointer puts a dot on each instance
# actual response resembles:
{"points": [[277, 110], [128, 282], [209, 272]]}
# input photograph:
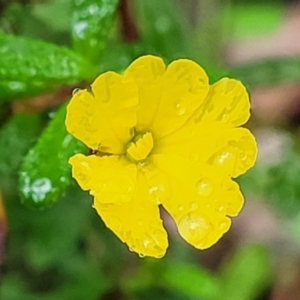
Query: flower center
{"points": [[140, 147]]}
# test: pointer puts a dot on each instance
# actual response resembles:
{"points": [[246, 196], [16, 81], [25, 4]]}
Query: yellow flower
{"points": [[162, 136]]}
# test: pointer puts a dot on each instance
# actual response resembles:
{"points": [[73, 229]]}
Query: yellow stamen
{"points": [[140, 149]]}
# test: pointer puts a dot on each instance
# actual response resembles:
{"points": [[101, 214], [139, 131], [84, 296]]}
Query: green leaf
{"points": [[282, 188], [163, 27], [252, 19], [92, 21], [28, 67], [45, 172], [268, 72], [247, 274], [167, 32], [16, 137], [191, 280]]}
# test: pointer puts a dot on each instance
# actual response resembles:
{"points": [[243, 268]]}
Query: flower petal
{"points": [[197, 196], [227, 104], [147, 72], [136, 223], [104, 121], [232, 150], [109, 178], [167, 98]]}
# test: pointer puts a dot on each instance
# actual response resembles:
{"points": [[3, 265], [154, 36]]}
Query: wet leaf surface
{"points": [[29, 67], [92, 22], [45, 172]]}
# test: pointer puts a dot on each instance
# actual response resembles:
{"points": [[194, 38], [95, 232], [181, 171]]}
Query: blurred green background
{"points": [[52, 243]]}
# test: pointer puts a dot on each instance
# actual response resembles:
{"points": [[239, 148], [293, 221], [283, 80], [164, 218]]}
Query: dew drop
{"points": [[225, 118], [223, 157], [146, 243], [157, 191], [224, 225], [75, 91], [180, 208], [243, 156], [221, 208], [204, 187], [180, 108], [193, 206], [81, 176], [141, 255], [193, 228]]}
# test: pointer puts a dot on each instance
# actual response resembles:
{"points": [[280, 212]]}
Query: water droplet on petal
{"points": [[193, 206], [225, 118], [224, 224], [141, 255], [180, 108], [146, 243], [180, 208], [193, 228], [75, 91], [243, 156], [204, 187], [221, 208], [157, 191], [81, 176]]}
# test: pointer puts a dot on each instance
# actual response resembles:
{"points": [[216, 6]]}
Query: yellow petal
{"points": [[147, 72], [167, 98], [185, 86], [227, 104], [197, 196], [104, 121], [111, 179], [232, 150], [136, 223]]}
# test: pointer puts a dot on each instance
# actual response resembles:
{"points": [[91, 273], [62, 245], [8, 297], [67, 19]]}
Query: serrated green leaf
{"points": [[16, 137], [45, 172], [246, 274], [268, 72], [92, 21], [28, 67]]}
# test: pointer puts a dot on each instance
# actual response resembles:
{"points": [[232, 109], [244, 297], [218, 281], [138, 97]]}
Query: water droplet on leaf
{"points": [[75, 91]]}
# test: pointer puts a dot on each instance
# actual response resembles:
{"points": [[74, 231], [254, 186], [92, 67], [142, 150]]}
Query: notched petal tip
{"points": [[202, 230], [146, 68], [137, 222], [141, 231]]}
